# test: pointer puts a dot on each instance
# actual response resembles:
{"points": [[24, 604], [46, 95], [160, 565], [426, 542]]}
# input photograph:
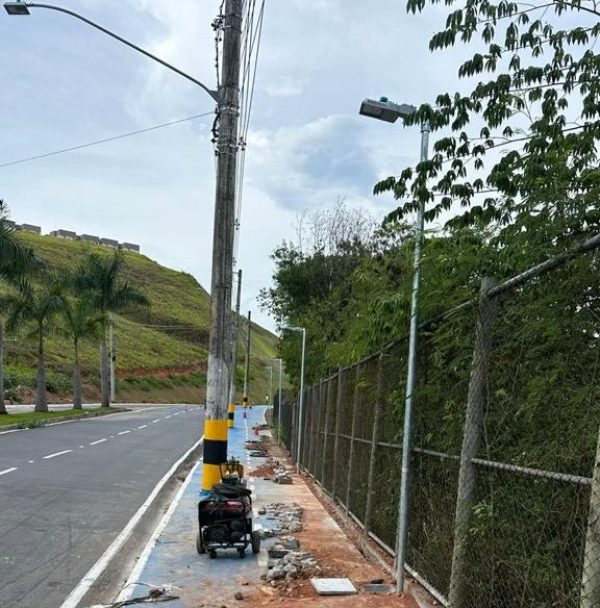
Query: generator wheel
{"points": [[199, 544], [256, 542], [212, 554]]}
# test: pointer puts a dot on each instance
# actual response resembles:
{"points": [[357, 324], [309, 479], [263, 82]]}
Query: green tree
{"points": [[16, 260], [516, 154], [82, 321], [36, 305], [100, 278]]}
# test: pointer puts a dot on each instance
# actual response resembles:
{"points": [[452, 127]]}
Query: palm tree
{"points": [[99, 277], [82, 321], [37, 305], [16, 259]]}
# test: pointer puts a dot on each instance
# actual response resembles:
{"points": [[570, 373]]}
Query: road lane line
{"points": [[97, 442], [123, 432], [56, 454], [135, 574], [167, 417], [8, 470], [84, 585], [143, 426], [155, 421]]}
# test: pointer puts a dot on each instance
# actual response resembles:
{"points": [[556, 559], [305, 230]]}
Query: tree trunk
{"points": [[77, 380], [104, 380], [2, 404], [41, 402]]}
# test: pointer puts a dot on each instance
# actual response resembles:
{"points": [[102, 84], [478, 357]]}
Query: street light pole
{"points": [[279, 398], [390, 112], [301, 397], [247, 366], [227, 98]]}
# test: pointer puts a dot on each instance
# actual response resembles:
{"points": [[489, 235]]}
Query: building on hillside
{"points": [[109, 243], [30, 228], [89, 238], [10, 224], [130, 247], [64, 234]]}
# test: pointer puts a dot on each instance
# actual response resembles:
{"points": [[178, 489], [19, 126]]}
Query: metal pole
{"points": [[278, 429], [112, 359], [301, 400], [234, 340], [410, 384], [472, 438], [247, 368], [60, 9], [219, 352]]}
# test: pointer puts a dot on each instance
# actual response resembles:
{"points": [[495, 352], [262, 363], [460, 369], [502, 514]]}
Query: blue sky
{"points": [[64, 84]]}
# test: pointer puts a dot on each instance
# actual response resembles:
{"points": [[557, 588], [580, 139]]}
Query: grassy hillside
{"points": [[161, 352]]}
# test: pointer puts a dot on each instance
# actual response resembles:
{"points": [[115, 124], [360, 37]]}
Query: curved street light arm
{"points": [[213, 94]]}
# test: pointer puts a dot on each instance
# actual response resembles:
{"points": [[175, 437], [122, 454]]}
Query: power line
{"points": [[106, 140]]}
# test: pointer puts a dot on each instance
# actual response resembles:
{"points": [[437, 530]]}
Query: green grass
{"points": [[33, 419], [172, 355]]}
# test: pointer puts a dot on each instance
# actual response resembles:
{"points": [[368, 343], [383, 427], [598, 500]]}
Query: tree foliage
{"points": [[517, 152]]}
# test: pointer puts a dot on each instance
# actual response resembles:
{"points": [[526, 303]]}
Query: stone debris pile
{"points": [[287, 561], [288, 519], [281, 474]]}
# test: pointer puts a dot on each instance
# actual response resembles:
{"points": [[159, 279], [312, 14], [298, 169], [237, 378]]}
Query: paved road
{"points": [[66, 492]]}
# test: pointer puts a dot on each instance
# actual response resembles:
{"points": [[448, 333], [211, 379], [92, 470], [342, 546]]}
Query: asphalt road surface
{"points": [[66, 491]]}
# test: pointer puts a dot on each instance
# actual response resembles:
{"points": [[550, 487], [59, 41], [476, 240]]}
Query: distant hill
{"points": [[161, 352]]}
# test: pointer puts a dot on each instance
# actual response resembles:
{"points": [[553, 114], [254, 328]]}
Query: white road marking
{"points": [[167, 417], [123, 432], [135, 574], [8, 470], [81, 446], [143, 426], [98, 568], [56, 454], [31, 461], [155, 421], [97, 442]]}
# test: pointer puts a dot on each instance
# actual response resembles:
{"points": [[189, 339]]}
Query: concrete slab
{"points": [[333, 586]]}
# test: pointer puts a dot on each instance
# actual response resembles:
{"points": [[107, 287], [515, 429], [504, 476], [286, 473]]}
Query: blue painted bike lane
{"points": [[171, 559]]}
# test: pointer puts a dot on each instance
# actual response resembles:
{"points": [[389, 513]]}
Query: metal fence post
{"points": [[472, 433], [318, 416], [336, 440], [352, 433], [590, 574], [325, 426], [379, 396]]}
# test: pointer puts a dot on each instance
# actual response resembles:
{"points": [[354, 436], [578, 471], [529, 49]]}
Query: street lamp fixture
{"points": [[16, 8], [390, 112], [385, 110]]}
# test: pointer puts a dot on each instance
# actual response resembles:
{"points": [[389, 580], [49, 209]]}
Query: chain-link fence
{"points": [[504, 491]]}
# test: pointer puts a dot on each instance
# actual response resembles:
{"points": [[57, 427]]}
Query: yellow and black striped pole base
{"points": [[230, 415], [215, 452]]}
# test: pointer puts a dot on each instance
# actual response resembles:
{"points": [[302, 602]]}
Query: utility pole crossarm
{"points": [[26, 5]]}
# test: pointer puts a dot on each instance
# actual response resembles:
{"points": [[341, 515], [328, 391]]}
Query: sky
{"points": [[63, 84]]}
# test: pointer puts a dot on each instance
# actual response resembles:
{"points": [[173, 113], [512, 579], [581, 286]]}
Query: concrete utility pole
{"points": [[247, 370], [112, 359], [219, 351], [235, 326], [234, 349]]}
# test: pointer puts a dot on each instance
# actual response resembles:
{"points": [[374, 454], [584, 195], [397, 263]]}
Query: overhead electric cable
{"points": [[105, 140]]}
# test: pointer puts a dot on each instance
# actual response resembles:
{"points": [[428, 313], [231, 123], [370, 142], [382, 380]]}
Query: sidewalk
{"points": [[170, 559]]}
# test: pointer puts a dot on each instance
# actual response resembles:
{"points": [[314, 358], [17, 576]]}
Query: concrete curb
{"points": [[52, 421]]}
